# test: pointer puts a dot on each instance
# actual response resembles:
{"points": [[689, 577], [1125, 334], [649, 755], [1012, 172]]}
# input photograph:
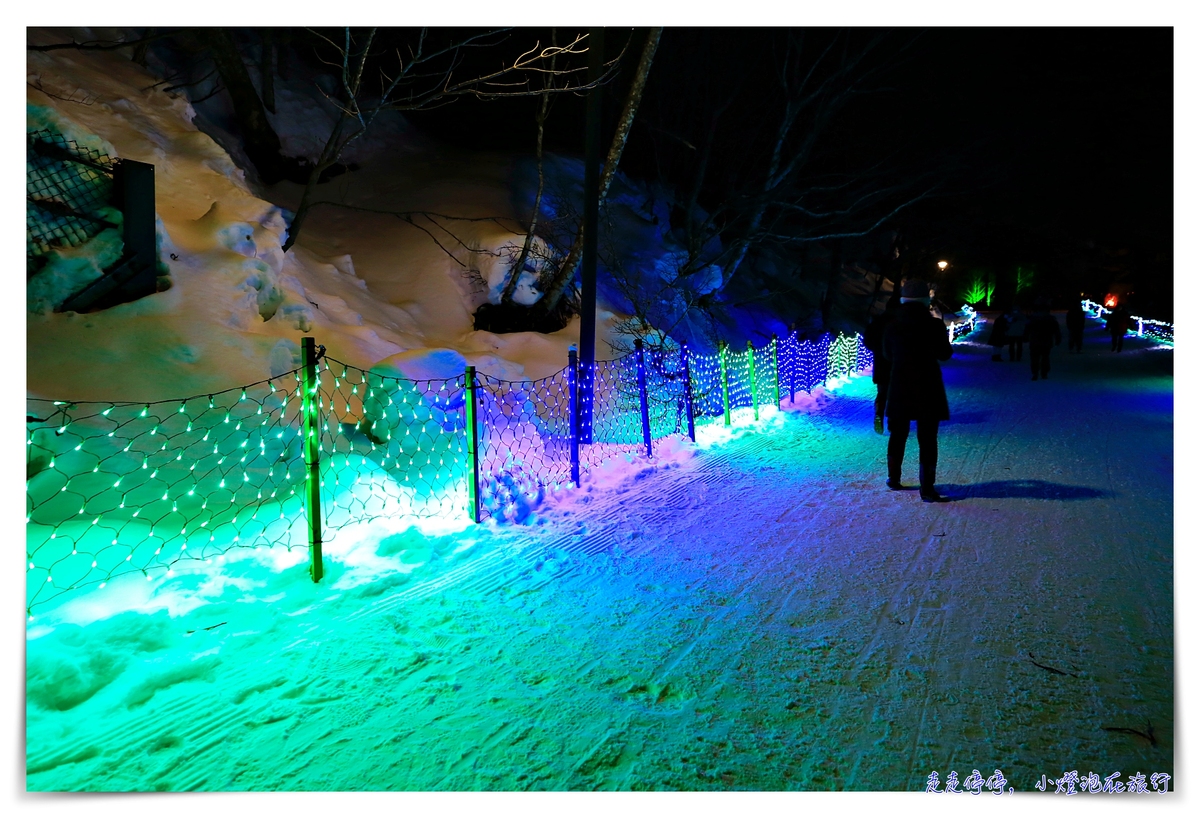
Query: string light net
{"points": [[390, 447], [616, 412], [524, 442], [1161, 331], [665, 393], [707, 402], [119, 488]]}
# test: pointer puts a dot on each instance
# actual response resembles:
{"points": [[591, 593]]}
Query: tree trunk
{"points": [[261, 142], [329, 155], [511, 286], [139, 51], [624, 123], [267, 67]]}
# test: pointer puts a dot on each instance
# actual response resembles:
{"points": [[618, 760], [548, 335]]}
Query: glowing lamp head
{"points": [[1111, 301], [942, 265]]}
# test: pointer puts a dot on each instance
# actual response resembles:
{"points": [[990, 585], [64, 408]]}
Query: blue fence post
{"points": [[641, 378], [795, 365], [470, 405], [725, 384], [573, 409], [687, 391]]}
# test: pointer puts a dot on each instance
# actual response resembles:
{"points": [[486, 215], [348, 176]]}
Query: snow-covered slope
{"points": [[366, 286]]}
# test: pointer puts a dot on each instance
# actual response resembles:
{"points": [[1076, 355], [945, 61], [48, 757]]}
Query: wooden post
{"points": [[573, 409], [753, 379], [725, 384], [470, 404], [687, 392], [311, 426], [641, 379]]}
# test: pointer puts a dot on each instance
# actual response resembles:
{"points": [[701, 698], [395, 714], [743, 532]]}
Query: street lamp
{"points": [[942, 265]]}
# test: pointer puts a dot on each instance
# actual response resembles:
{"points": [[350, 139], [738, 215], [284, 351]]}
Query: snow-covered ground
{"points": [[758, 614]]}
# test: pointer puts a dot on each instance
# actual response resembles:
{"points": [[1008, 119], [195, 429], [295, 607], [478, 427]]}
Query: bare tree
{"points": [[543, 111], [566, 271], [789, 189], [420, 79]]}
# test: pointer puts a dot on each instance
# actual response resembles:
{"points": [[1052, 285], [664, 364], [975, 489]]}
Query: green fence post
{"points": [[311, 424], [775, 360], [472, 445], [725, 384], [753, 378]]}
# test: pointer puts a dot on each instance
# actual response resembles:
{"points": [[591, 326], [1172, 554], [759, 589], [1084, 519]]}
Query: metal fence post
{"points": [[573, 409], [641, 378], [725, 383], [470, 405], [687, 391], [795, 365], [775, 358], [753, 378], [311, 425]]}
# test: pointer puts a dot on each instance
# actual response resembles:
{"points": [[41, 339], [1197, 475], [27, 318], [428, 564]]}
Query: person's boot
{"points": [[929, 494]]}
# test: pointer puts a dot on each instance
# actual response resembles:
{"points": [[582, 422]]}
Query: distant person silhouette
{"points": [[1042, 331], [999, 337], [881, 370], [1118, 325], [914, 343], [1016, 333], [1075, 321]]}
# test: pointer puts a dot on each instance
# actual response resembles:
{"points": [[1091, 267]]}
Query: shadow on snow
{"points": [[1031, 489]]}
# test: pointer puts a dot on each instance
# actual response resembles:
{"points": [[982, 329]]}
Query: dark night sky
{"points": [[1053, 137]]}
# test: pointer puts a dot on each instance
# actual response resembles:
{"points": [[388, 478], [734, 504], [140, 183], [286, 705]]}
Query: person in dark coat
{"points": [[881, 370], [1118, 325], [1075, 321], [1042, 330], [914, 343], [1016, 333], [999, 337]]}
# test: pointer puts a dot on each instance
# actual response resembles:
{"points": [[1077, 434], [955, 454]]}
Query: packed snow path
{"points": [[765, 615]]}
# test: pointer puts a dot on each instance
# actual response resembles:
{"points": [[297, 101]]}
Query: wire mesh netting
{"points": [[390, 447], [114, 488], [616, 412], [524, 441], [666, 393], [68, 190]]}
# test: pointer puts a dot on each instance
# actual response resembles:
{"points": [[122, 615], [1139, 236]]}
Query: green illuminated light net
{"points": [[390, 447], [119, 488]]}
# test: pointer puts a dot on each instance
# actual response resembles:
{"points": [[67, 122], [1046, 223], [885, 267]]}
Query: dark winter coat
{"points": [[1118, 321], [1075, 316], [1043, 330], [914, 343], [873, 340], [999, 336]]}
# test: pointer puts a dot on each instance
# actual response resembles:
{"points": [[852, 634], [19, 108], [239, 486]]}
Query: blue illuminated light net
{"points": [[524, 441]]}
